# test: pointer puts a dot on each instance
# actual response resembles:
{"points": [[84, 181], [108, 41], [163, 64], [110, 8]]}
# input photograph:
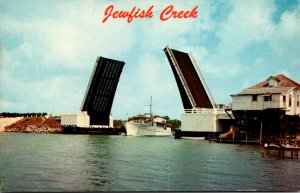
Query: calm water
{"points": [[42, 162]]}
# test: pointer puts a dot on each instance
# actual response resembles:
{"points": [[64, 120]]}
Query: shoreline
{"points": [[22, 124]]}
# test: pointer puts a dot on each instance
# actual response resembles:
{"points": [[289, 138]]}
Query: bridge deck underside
{"points": [[185, 73], [101, 90]]}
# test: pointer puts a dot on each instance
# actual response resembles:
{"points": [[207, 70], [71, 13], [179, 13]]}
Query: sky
{"points": [[48, 49]]}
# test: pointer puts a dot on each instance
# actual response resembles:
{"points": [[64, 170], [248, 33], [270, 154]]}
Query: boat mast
{"points": [[151, 110]]}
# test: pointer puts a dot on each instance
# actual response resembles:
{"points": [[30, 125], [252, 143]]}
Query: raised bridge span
{"points": [[101, 90], [201, 117]]}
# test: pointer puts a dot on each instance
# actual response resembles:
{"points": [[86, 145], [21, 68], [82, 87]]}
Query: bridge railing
{"points": [[200, 111], [205, 111]]}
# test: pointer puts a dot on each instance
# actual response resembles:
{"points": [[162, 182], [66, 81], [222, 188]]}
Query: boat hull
{"points": [[143, 129]]}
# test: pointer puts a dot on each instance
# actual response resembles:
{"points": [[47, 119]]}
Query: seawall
{"points": [[5, 121]]}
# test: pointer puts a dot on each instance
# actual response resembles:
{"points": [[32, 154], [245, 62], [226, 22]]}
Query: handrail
{"points": [[204, 111]]}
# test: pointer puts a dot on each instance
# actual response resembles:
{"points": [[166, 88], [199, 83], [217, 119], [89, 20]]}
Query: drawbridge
{"points": [[101, 90], [95, 114], [201, 117]]}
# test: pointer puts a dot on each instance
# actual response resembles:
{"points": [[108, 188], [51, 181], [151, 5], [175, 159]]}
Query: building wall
{"points": [[111, 120], [83, 120], [297, 105], [291, 103], [79, 119], [246, 102], [198, 122]]}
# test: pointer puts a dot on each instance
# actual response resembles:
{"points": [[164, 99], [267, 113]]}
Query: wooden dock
{"points": [[283, 147], [235, 140]]}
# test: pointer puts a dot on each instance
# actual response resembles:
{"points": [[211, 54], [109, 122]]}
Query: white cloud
{"points": [[72, 38], [249, 21], [285, 39], [45, 95]]}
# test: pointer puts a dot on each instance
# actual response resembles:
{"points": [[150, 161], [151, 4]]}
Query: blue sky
{"points": [[49, 48]]}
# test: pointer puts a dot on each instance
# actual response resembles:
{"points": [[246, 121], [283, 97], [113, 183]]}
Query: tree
{"points": [[119, 124], [174, 123]]}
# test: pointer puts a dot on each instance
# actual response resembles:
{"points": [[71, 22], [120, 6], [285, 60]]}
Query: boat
{"points": [[144, 125]]}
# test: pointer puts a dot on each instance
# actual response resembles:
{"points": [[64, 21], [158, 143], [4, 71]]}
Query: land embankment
{"points": [[33, 125]]}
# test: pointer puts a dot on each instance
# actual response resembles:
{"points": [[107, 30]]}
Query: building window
{"points": [[254, 97], [272, 82], [283, 98], [290, 100], [268, 98], [298, 100]]}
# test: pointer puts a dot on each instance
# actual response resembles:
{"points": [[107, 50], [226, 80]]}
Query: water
{"points": [[55, 162]]}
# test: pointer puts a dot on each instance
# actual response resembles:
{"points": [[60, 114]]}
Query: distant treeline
{"points": [[175, 123], [7, 114]]}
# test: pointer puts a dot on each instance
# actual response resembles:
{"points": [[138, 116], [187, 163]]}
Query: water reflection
{"points": [[97, 162]]}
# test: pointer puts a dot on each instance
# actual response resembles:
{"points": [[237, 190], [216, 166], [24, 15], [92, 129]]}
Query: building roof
{"points": [[280, 84], [282, 81], [252, 91]]}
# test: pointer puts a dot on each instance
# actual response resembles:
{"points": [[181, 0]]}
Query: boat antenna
{"points": [[151, 111], [151, 115], [151, 122]]}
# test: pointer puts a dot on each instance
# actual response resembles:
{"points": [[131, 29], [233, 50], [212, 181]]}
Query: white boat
{"points": [[147, 126]]}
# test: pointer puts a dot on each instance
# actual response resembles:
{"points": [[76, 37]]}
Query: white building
{"points": [[270, 108], [76, 119], [81, 119], [277, 92]]}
